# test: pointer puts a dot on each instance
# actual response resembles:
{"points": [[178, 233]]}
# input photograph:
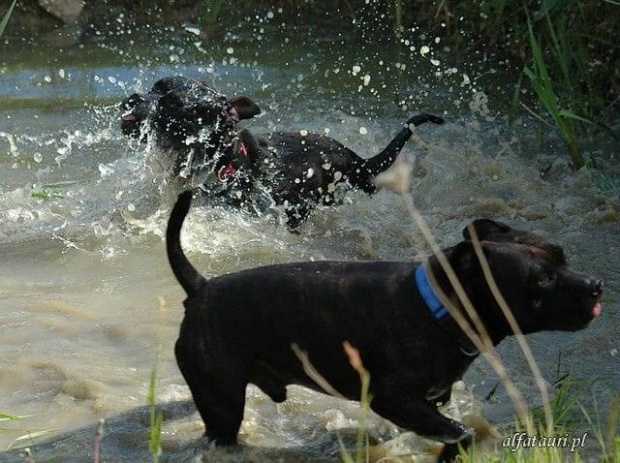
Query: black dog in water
{"points": [[239, 328], [200, 127]]}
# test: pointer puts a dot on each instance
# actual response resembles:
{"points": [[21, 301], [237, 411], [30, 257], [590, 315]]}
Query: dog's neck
{"points": [[445, 310], [223, 153], [479, 295]]}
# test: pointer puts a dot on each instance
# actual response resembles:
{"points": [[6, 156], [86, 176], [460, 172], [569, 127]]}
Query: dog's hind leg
{"points": [[218, 392]]}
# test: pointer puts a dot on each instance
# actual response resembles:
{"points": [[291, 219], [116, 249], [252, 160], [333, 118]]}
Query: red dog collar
{"points": [[228, 171]]}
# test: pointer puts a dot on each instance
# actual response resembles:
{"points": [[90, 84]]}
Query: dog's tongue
{"points": [[129, 117], [597, 310]]}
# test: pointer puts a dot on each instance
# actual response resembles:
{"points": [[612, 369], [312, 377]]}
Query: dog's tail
{"points": [[185, 272], [385, 158]]}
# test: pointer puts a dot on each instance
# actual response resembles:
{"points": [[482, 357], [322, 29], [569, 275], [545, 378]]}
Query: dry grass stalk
{"points": [[477, 333], [480, 336], [313, 372], [527, 352]]}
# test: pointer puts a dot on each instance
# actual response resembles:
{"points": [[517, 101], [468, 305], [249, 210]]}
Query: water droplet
{"points": [[363, 130], [192, 30]]}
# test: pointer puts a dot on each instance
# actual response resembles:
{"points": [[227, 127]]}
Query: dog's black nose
{"points": [[597, 287]]}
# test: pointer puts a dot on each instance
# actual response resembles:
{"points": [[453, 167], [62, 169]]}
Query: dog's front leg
{"points": [[423, 418]]}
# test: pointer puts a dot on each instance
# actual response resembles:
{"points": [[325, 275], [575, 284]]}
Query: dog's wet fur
{"points": [[199, 127], [239, 328]]}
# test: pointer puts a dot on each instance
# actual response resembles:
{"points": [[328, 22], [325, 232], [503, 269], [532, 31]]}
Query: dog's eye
{"points": [[546, 280], [132, 101]]}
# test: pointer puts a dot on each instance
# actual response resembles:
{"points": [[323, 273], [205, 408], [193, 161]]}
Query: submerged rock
{"points": [[68, 11]]}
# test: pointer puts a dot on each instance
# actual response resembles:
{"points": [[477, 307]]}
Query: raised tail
{"points": [[385, 158], [185, 272]]}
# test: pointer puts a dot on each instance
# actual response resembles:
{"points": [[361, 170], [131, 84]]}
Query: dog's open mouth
{"points": [[129, 117]]}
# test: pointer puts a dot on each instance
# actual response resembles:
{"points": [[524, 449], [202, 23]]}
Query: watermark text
{"points": [[522, 440]]}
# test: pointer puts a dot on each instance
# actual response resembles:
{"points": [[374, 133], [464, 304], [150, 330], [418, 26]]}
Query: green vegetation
{"points": [[544, 87], [27, 437], [572, 422], [7, 15], [51, 190], [156, 417], [567, 48]]}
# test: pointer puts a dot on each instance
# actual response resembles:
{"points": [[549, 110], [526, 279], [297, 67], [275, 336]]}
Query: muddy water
{"points": [[87, 299]]}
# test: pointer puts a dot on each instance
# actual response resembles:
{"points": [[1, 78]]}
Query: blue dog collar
{"points": [[436, 307], [440, 312]]}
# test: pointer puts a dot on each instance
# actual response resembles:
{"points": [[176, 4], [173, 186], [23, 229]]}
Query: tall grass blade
{"points": [[8, 417], [542, 84], [157, 417], [5, 18], [398, 17], [30, 436]]}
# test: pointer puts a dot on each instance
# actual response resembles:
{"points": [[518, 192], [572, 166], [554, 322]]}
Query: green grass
{"points": [[567, 48], [29, 435], [603, 181], [571, 422], [545, 88], [211, 11], [5, 18], [156, 416]]}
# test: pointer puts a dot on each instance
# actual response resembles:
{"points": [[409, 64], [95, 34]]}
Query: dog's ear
{"points": [[244, 107], [487, 229], [464, 260]]}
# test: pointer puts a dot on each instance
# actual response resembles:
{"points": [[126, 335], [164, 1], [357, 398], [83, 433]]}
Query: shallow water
{"points": [[87, 299]]}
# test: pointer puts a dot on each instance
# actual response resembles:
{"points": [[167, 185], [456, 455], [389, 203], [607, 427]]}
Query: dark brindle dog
{"points": [[200, 127], [239, 328]]}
